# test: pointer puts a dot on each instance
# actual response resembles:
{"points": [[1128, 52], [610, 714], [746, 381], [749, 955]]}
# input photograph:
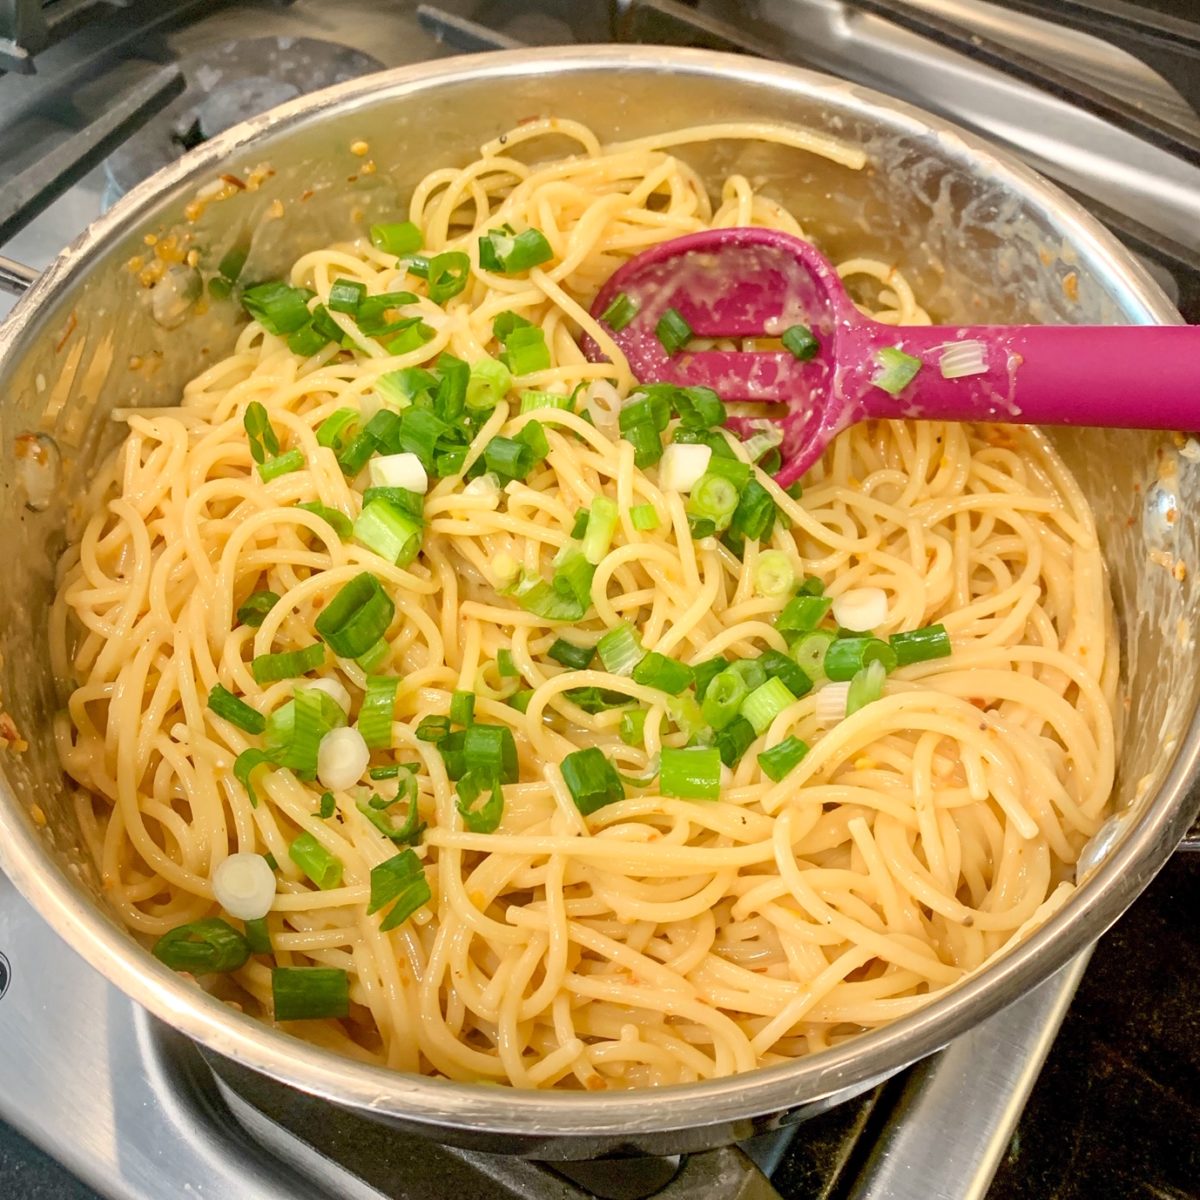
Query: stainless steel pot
{"points": [[982, 238]]}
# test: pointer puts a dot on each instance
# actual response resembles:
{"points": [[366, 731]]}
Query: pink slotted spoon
{"points": [[752, 282]]}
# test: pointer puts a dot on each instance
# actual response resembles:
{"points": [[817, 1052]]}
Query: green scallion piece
{"points": [[713, 498], [658, 671], [259, 431], [310, 993], [921, 645], [235, 710], [778, 761], [357, 616], [489, 383], [765, 703], [295, 729], [809, 652], [632, 730], [244, 767], [672, 331], [205, 947], [780, 666], [847, 656], [693, 773], [506, 668], [866, 687], [490, 750], [290, 664], [462, 708], [258, 936], [577, 658], [602, 525], [279, 308], [323, 868], [283, 464], [773, 574], [620, 311], [723, 699], [328, 806], [755, 513], [620, 650], [487, 816], [400, 879], [447, 274], [432, 728], [386, 530], [591, 779], [254, 609], [801, 342], [525, 351], [509, 458], [648, 406], [579, 528], [409, 833], [520, 700], [644, 517], [532, 401], [734, 740], [896, 370], [378, 706], [511, 254], [397, 237], [335, 518], [700, 408], [345, 295], [802, 613], [374, 658], [647, 444]]}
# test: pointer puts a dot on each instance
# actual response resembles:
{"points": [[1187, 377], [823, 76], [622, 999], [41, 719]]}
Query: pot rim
{"points": [[420, 1101]]}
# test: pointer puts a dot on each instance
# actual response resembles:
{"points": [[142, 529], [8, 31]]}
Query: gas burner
{"points": [[225, 84]]}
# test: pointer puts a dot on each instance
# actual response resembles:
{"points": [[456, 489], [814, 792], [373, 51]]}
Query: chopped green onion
{"points": [[231, 264], [267, 668], [506, 322], [432, 728], [402, 879], [650, 406], [283, 464], [672, 331], [389, 532], [375, 715], [755, 513], [235, 710], [373, 310], [323, 868], [573, 576], [579, 528], [277, 307], [553, 603], [353, 456], [203, 947], [532, 401], [779, 666], [337, 519], [779, 760], [620, 311], [773, 574], [714, 499], [505, 667], [699, 408], [410, 503], [602, 525], [486, 818], [245, 765], [451, 395], [534, 436], [489, 383], [620, 650], [307, 340], [258, 936], [733, 470], [447, 274], [263, 442], [397, 237], [751, 671], [866, 687], [310, 993], [509, 458], [411, 338], [591, 779], [357, 617], [632, 730], [809, 653], [525, 351], [896, 370], [295, 729], [658, 671], [255, 608], [734, 740], [408, 833], [812, 586], [596, 699], [374, 658], [328, 806], [346, 295], [405, 386], [801, 614], [723, 699], [462, 708], [847, 656], [921, 645], [520, 700], [577, 658], [693, 773], [487, 749], [706, 672], [801, 342], [647, 444], [512, 253], [765, 703], [644, 517]]}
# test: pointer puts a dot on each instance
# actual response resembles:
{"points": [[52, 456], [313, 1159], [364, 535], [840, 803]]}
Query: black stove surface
{"points": [[1114, 1114]]}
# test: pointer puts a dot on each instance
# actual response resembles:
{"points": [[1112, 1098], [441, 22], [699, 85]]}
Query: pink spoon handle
{"points": [[1134, 377]]}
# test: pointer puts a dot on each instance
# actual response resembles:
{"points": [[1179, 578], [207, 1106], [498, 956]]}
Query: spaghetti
{"points": [[639, 938]]}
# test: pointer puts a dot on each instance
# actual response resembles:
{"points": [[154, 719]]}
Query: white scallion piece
{"points": [[831, 703], [342, 758], [244, 886], [399, 470], [333, 688], [483, 485], [861, 609], [683, 466], [962, 359]]}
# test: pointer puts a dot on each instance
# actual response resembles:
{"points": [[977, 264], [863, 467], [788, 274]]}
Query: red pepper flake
{"points": [[70, 329], [233, 181]]}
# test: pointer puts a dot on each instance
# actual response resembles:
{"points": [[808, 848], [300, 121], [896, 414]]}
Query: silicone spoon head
{"points": [[741, 283]]}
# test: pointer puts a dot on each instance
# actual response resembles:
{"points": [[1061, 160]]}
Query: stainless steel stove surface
{"points": [[139, 1113]]}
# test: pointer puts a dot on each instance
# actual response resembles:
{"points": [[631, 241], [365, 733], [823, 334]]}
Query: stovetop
{"points": [[139, 1113]]}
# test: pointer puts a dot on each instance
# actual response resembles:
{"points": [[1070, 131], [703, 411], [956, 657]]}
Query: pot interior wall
{"points": [[974, 246]]}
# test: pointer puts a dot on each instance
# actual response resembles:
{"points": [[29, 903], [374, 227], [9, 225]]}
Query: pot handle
{"points": [[15, 278]]}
